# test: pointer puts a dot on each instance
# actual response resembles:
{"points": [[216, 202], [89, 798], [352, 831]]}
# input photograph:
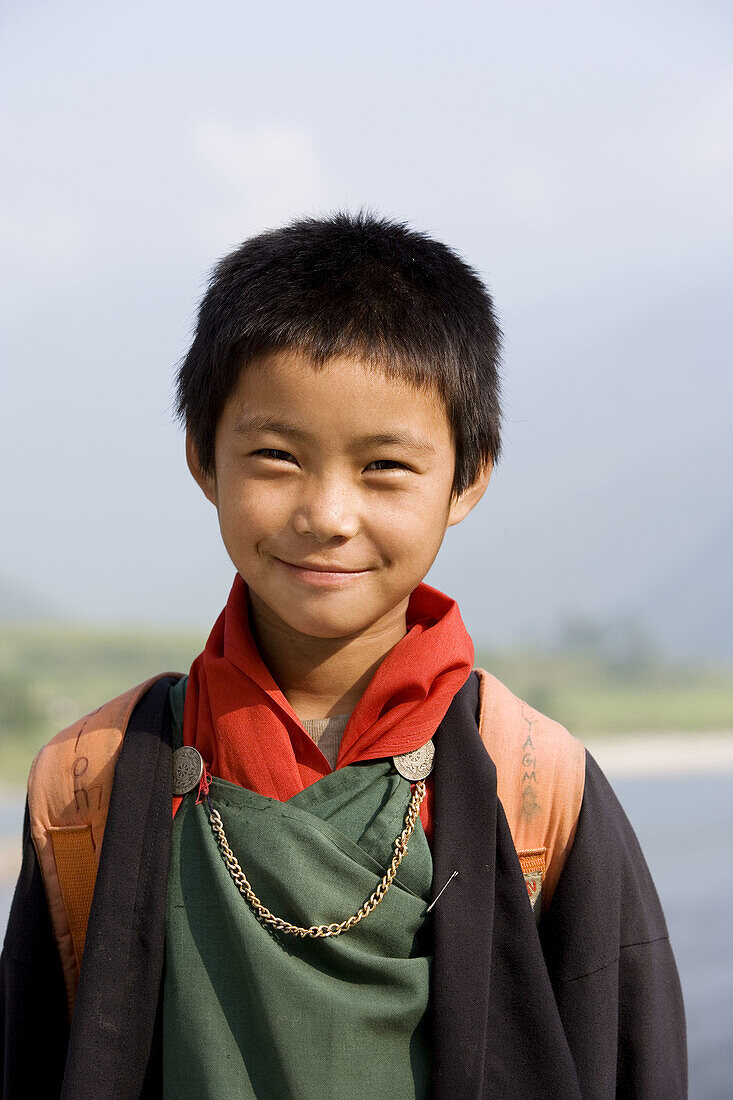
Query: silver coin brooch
{"points": [[416, 765], [188, 767]]}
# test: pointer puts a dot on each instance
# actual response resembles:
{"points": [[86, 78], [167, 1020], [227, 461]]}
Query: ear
{"points": [[206, 482], [469, 498]]}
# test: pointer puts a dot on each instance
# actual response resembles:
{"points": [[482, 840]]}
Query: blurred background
{"points": [[580, 157]]}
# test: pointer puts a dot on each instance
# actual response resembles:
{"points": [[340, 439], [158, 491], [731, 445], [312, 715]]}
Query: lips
{"points": [[313, 567], [321, 574]]}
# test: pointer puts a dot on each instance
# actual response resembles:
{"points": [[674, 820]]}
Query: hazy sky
{"points": [[579, 155]]}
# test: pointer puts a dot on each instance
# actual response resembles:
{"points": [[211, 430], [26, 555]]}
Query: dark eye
{"points": [[273, 452], [385, 464]]}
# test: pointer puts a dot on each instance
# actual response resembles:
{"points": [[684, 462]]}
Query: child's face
{"points": [[333, 489]]}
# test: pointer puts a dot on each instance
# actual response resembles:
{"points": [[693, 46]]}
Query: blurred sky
{"points": [[579, 155]]}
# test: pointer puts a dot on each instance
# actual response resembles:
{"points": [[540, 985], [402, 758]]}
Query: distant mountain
{"points": [[612, 503], [691, 609], [19, 602]]}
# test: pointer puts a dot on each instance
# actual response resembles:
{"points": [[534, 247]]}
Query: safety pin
{"points": [[435, 900]]}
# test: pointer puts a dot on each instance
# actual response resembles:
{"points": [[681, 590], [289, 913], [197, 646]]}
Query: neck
{"points": [[321, 677]]}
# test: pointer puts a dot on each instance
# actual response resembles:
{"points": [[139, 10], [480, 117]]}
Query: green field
{"points": [[593, 695], [49, 676]]}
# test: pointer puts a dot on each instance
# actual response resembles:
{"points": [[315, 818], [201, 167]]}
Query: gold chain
{"points": [[319, 931]]}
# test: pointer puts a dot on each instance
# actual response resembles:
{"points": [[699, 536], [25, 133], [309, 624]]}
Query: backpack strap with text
{"points": [[69, 787], [540, 770]]}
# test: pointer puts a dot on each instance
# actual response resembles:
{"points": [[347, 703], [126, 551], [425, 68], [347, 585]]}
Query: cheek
{"points": [[250, 512], [412, 528]]}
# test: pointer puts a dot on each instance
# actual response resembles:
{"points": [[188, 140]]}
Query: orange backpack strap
{"points": [[69, 788], [540, 772]]}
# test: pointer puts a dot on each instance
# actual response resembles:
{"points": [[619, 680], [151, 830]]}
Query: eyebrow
{"points": [[263, 423]]}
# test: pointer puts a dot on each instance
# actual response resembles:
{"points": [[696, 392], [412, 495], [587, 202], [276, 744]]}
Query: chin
{"points": [[326, 629], [322, 623]]}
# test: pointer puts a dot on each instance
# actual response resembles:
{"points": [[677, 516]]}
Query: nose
{"points": [[327, 510]]}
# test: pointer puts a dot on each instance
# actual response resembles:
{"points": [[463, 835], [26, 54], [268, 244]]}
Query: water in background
{"points": [[685, 826]]}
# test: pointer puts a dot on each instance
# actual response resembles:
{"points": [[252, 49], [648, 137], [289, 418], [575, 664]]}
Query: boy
{"points": [[330, 896]]}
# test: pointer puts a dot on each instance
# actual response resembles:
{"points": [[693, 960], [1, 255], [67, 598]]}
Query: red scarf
{"points": [[247, 732]]}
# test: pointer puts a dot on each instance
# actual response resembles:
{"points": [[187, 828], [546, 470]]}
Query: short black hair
{"points": [[350, 284]]}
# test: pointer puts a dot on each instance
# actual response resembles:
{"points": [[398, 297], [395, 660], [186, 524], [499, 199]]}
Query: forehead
{"points": [[347, 396]]}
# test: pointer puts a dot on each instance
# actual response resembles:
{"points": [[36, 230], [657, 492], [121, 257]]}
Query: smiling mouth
{"points": [[321, 574], [312, 568]]}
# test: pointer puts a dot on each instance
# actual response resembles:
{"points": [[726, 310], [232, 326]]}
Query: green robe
{"points": [[252, 1013]]}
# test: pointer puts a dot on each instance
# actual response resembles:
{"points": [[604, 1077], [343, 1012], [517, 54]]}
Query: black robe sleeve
{"points": [[608, 954], [34, 1028]]}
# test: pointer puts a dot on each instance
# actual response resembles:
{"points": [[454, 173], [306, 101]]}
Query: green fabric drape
{"points": [[251, 1013]]}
